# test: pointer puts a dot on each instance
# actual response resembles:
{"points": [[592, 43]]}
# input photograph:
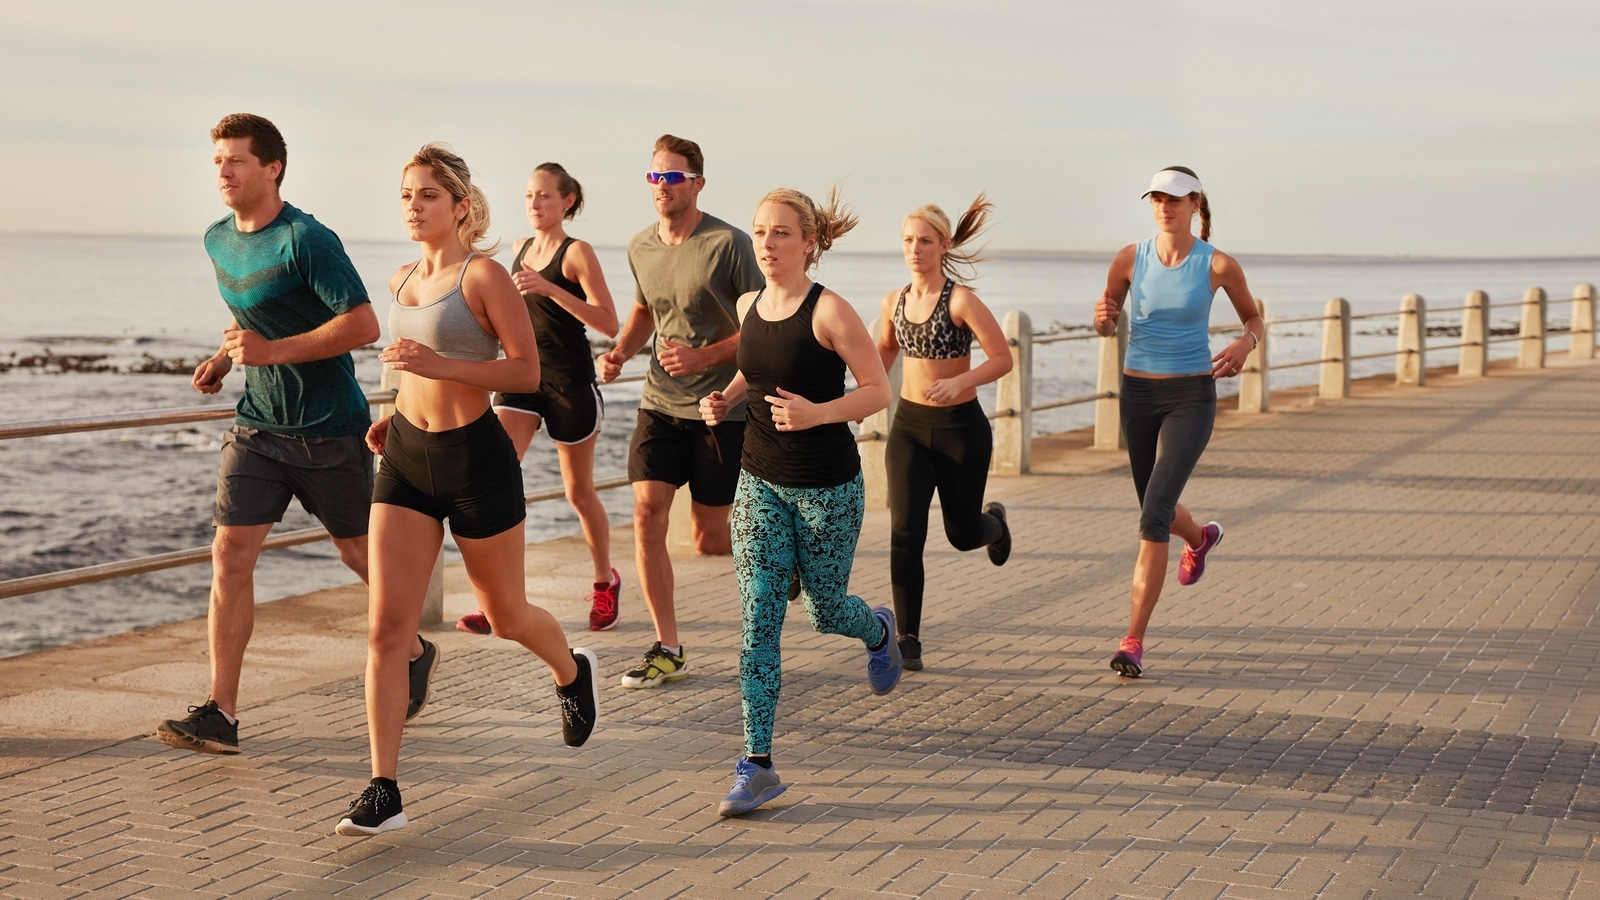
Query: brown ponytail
{"points": [[1205, 205], [566, 186]]}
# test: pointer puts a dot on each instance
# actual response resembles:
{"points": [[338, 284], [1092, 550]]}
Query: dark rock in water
{"points": [[48, 363]]}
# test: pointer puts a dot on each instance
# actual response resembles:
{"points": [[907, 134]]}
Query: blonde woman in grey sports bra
{"points": [[446, 456]]}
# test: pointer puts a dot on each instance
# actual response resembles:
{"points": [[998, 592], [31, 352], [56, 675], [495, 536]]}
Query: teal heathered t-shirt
{"points": [[286, 279]]}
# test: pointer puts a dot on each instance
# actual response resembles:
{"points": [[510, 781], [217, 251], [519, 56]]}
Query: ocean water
{"points": [[113, 324]]}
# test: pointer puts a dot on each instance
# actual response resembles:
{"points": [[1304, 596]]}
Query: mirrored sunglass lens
{"points": [[673, 177]]}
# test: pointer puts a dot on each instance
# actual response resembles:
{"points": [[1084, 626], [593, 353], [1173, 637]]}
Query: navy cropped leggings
{"points": [[1167, 423], [776, 531], [943, 448]]}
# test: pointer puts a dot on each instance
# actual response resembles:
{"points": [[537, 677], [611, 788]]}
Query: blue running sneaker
{"points": [[752, 787], [883, 664]]}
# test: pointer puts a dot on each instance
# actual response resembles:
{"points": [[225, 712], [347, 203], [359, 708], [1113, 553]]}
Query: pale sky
{"points": [[1400, 127]]}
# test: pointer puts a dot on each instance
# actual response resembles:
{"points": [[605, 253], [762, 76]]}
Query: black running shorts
{"points": [[260, 472], [687, 451], [468, 475], [571, 413]]}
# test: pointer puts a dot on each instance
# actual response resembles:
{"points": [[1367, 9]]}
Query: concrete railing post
{"points": [[433, 600], [1410, 359], [1013, 434], [1255, 394], [1475, 337], [874, 470], [1334, 383], [1582, 322], [1530, 350], [1108, 411]]}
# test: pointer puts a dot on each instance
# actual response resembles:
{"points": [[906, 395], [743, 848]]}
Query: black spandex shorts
{"points": [[571, 413], [678, 451], [469, 475]]}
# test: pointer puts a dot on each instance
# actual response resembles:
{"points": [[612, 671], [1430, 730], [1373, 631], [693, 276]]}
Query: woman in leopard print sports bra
{"points": [[940, 438]]}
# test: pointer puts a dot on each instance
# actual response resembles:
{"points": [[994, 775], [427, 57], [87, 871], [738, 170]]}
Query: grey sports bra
{"points": [[446, 325], [938, 337]]}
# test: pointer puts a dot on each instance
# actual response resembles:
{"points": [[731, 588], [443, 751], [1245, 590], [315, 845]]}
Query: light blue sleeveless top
{"points": [[1169, 310], [446, 325]]}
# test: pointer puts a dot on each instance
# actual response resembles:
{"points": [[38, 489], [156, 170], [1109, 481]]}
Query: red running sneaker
{"points": [[474, 622], [603, 617], [1193, 563], [1130, 653]]}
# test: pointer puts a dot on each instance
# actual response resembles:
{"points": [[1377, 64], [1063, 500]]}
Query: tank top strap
{"points": [[463, 276], [406, 279], [517, 260], [900, 305], [812, 296], [560, 255], [944, 295]]}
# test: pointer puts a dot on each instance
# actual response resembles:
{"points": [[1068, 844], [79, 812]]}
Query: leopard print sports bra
{"points": [[938, 337]]}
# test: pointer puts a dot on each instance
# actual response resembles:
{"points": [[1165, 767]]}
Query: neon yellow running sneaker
{"points": [[657, 666]]}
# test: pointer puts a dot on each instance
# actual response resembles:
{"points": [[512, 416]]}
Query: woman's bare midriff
{"points": [[918, 374], [440, 405]]}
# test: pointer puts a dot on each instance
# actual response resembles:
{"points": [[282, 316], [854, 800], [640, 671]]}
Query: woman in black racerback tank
{"points": [[800, 500], [565, 296], [940, 439]]}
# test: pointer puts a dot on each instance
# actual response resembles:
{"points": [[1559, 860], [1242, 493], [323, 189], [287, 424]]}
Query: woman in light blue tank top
{"points": [[1165, 285], [447, 458]]}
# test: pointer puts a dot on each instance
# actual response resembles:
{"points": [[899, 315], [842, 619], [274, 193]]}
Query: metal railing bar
{"points": [[1039, 338], [172, 560], [1295, 365], [1070, 401]]}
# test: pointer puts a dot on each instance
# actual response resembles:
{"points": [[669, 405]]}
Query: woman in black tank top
{"points": [[940, 439], [800, 500], [565, 296]]}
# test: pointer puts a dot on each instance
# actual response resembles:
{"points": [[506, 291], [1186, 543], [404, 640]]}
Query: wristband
{"points": [[1254, 341]]}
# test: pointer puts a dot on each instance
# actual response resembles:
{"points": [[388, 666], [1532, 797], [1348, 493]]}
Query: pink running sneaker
{"points": [[1130, 653], [1193, 563], [474, 622], [603, 617]]}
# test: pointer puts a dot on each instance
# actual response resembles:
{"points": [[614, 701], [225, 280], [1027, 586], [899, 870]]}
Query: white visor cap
{"points": [[1174, 184]]}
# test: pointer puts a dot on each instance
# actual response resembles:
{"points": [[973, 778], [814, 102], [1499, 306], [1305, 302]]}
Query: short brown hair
{"points": [[689, 150], [266, 143]]}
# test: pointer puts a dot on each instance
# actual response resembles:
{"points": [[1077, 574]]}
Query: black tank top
{"points": [[786, 354], [564, 355]]}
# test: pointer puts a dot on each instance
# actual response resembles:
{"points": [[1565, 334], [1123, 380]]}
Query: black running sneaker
{"points": [[910, 653], [580, 700], [1000, 550], [205, 729], [377, 810], [421, 674]]}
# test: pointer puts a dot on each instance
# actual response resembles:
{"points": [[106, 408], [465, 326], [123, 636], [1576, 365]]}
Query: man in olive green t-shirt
{"points": [[690, 270]]}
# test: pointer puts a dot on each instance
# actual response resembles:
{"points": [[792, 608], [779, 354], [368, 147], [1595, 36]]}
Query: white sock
{"points": [[674, 650]]}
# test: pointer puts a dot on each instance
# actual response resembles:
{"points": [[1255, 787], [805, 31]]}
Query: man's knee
{"points": [[708, 529]]}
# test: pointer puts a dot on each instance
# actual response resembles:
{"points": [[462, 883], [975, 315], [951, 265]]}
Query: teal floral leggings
{"points": [[776, 530]]}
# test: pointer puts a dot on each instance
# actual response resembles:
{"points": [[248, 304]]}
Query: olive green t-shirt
{"points": [[693, 291]]}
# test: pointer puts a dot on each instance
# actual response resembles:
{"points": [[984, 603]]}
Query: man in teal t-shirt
{"points": [[298, 308]]}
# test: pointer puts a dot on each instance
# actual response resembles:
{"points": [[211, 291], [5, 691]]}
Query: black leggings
{"points": [[1167, 422], [934, 447]]}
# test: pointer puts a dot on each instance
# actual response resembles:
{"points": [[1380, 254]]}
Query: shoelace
{"points": [[376, 797], [604, 602], [570, 709]]}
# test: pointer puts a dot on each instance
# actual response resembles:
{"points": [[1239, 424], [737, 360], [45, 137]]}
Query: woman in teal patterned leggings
{"points": [[800, 501]]}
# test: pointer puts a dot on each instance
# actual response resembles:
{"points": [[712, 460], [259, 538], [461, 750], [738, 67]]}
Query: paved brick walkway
{"points": [[1388, 685]]}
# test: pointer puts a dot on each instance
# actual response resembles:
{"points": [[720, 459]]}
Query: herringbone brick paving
{"points": [[1386, 686]]}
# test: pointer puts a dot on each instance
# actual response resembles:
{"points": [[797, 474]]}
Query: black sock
{"points": [[764, 761], [879, 645]]}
